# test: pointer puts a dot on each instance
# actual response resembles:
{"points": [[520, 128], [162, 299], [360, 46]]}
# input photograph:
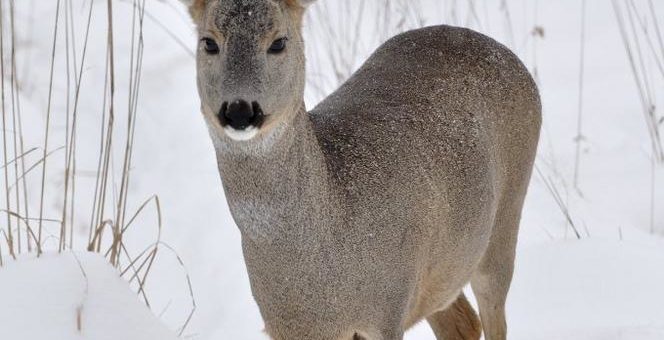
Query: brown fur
{"points": [[292, 3], [457, 322], [196, 10]]}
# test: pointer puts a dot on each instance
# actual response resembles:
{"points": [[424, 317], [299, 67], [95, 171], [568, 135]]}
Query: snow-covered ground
{"points": [[609, 285], [585, 290], [591, 289], [74, 296]]}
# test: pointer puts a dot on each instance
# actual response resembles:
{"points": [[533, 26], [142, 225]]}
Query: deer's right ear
{"points": [[305, 3], [196, 9], [302, 4]]}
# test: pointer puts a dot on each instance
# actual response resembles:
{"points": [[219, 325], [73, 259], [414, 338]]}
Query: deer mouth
{"points": [[241, 135]]}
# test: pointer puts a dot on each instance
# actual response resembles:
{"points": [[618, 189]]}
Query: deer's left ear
{"points": [[196, 8]]}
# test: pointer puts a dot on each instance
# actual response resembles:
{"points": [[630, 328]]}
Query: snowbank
{"points": [[74, 297]]}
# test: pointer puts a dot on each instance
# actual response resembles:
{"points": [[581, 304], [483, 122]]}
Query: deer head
{"points": [[250, 62]]}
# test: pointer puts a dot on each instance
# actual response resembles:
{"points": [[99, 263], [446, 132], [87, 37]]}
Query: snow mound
{"points": [[72, 296]]}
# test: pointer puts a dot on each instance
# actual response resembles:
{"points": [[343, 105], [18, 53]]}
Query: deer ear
{"points": [[305, 3], [299, 3], [196, 8]]}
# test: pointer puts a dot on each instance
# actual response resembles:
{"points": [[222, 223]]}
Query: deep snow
{"points": [[73, 296]]}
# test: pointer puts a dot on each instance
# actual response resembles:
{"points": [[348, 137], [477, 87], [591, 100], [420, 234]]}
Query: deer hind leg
{"points": [[491, 280], [457, 322]]}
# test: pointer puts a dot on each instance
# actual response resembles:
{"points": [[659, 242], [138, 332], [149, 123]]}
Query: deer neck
{"points": [[277, 190]]}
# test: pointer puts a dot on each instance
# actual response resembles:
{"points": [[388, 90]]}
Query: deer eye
{"points": [[210, 46], [278, 46]]}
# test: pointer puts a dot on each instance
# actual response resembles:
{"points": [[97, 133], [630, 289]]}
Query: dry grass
{"points": [[642, 38], [342, 40], [635, 27], [112, 216]]}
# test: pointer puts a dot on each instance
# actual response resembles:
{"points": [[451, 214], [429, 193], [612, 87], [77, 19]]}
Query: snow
{"points": [[74, 296], [609, 285], [590, 289]]}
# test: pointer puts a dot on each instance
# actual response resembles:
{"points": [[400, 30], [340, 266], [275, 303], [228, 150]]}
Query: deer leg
{"points": [[457, 322], [491, 280], [491, 293]]}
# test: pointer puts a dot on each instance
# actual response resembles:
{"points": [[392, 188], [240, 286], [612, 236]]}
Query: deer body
{"points": [[373, 211]]}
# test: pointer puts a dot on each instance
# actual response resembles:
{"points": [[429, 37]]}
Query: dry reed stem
{"points": [[70, 141], [10, 240], [48, 120], [550, 186], [117, 253], [579, 122], [640, 74], [18, 132]]}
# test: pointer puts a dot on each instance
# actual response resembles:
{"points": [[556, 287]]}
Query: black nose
{"points": [[240, 115]]}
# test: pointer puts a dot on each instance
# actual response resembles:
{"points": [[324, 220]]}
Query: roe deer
{"points": [[371, 212]]}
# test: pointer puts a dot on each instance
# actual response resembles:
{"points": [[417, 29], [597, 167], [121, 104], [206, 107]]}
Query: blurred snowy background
{"points": [[591, 253]]}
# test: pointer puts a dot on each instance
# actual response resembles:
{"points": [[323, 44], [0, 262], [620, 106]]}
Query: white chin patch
{"points": [[241, 135]]}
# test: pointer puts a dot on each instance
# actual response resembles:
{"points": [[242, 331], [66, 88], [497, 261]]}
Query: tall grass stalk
{"points": [[111, 215], [635, 31], [70, 138], [578, 140], [640, 71], [47, 130], [8, 236], [560, 202], [19, 145]]}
